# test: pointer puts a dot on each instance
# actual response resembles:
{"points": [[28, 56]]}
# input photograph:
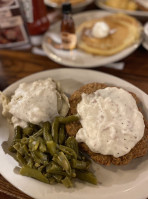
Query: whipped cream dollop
{"points": [[111, 122], [100, 30], [34, 102]]}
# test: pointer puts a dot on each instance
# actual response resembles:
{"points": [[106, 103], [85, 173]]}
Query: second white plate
{"points": [[77, 57]]}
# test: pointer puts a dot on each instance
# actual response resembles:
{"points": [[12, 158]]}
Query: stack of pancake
{"points": [[126, 31]]}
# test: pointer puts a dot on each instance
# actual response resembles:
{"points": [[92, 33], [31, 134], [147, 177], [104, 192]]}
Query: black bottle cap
{"points": [[66, 7]]}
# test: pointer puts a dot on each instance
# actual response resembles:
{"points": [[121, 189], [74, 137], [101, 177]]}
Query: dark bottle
{"points": [[68, 36]]}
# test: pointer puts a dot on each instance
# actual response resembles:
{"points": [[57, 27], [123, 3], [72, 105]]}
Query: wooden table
{"points": [[15, 65]]}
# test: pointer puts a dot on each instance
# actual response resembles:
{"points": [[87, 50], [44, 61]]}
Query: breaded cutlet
{"points": [[140, 149]]}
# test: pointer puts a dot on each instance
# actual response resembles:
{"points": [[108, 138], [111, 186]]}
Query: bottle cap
{"points": [[66, 7]]}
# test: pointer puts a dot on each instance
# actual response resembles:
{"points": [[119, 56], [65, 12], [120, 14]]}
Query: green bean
{"points": [[35, 127], [42, 144], [86, 176], [51, 146], [54, 168], [58, 178], [47, 131], [24, 140], [35, 157], [30, 162], [17, 136], [40, 155], [28, 131], [40, 168], [33, 144], [67, 182], [20, 159], [25, 149], [38, 133], [18, 133], [62, 134], [72, 143], [26, 171], [79, 164], [37, 165], [48, 175], [68, 119], [73, 173], [18, 148], [68, 151], [55, 129], [51, 180], [62, 160]]}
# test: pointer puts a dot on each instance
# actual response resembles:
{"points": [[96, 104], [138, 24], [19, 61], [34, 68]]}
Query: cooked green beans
{"points": [[46, 153], [26, 171], [62, 160], [55, 129], [47, 131], [51, 146], [62, 135], [17, 135], [86, 176]]}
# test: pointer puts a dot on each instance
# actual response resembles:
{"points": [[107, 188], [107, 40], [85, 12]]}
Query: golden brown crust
{"points": [[140, 149]]}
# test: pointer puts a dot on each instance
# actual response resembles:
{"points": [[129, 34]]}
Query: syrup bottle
{"points": [[68, 36]]}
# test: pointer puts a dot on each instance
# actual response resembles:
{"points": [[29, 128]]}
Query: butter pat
{"points": [[100, 30]]}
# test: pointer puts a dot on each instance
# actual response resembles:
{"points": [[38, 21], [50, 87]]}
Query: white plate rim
{"points": [[45, 74], [137, 13], [110, 59]]}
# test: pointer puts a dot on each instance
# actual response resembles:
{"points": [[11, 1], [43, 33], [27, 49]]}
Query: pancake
{"points": [[139, 150], [126, 31]]}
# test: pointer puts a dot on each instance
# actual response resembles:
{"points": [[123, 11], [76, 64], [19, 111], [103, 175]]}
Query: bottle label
{"points": [[69, 40], [28, 9]]}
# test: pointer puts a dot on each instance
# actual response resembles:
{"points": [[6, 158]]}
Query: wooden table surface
{"points": [[15, 65]]}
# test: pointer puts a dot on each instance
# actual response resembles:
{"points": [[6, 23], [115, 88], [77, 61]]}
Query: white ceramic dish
{"points": [[75, 8], [77, 57], [122, 182], [139, 14]]}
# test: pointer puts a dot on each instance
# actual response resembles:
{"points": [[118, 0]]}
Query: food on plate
{"points": [[122, 4], [73, 2], [108, 35], [37, 112], [112, 129], [48, 155], [35, 102]]}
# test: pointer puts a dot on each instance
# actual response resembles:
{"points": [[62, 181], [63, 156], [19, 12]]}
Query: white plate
{"points": [[116, 182], [77, 57], [75, 8], [139, 14]]}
